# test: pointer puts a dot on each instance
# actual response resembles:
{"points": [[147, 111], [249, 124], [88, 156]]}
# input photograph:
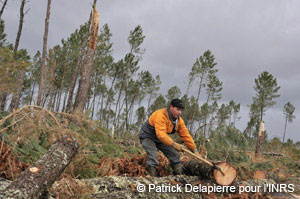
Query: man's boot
{"points": [[151, 170], [177, 169]]}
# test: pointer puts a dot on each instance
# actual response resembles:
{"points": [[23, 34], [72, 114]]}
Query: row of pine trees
{"points": [[76, 76]]}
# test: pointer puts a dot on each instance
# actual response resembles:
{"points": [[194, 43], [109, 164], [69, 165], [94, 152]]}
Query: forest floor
{"points": [[107, 167]]}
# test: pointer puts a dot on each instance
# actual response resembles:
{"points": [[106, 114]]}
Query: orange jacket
{"points": [[163, 126]]}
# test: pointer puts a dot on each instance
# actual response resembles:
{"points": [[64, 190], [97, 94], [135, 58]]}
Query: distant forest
{"points": [[81, 75]]}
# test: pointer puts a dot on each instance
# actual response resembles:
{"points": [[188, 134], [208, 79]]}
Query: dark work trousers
{"points": [[152, 147]]}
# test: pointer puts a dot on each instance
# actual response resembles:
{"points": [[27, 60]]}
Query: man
{"points": [[154, 135]]}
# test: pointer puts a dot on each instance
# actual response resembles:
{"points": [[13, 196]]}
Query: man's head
{"points": [[176, 107]]}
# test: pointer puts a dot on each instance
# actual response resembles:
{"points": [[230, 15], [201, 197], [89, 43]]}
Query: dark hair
{"points": [[177, 103]]}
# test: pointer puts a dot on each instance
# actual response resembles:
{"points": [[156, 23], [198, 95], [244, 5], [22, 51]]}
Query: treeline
{"points": [[119, 93]]}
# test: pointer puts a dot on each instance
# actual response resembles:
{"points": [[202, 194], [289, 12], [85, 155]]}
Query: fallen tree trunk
{"points": [[35, 180], [160, 187], [197, 168]]}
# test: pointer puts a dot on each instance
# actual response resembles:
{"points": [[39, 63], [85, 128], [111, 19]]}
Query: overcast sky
{"points": [[246, 37]]}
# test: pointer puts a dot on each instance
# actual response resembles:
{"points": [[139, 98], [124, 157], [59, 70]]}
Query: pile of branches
{"points": [[33, 121], [133, 166], [68, 187]]}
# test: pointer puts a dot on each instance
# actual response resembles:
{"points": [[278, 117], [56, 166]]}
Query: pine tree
{"points": [[131, 61], [173, 92], [214, 87], [159, 102], [2, 34], [200, 70], [288, 111], [266, 91]]}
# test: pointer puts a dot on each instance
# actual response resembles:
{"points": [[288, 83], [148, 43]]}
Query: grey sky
{"points": [[246, 37]]}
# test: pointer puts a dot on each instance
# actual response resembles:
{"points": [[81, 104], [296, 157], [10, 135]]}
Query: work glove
{"points": [[196, 152], [178, 147]]}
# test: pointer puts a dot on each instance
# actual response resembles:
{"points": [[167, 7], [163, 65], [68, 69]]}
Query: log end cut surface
{"points": [[259, 175], [228, 170]]}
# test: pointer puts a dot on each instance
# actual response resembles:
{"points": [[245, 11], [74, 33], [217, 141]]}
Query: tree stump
{"points": [[204, 171], [34, 181]]}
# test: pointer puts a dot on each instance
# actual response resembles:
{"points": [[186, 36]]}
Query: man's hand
{"points": [[178, 147], [196, 152]]}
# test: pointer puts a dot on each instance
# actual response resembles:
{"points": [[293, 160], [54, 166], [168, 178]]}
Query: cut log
{"points": [[34, 182], [196, 168], [204, 171], [259, 175]]}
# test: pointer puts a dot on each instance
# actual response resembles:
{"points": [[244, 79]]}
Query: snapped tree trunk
{"points": [[44, 54], [260, 139], [34, 181], [79, 63], [84, 82]]}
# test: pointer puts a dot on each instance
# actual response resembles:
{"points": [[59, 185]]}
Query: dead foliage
{"points": [[68, 187], [131, 166], [35, 127], [10, 167]]}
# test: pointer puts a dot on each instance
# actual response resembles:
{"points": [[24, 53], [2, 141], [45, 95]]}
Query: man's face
{"points": [[175, 111]]}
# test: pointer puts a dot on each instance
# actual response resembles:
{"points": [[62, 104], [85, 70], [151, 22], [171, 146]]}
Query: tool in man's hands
{"points": [[178, 147], [213, 165], [223, 173], [218, 168]]}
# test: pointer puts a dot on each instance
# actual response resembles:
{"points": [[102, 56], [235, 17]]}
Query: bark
{"points": [[102, 101], [284, 129], [34, 182], [41, 83], [32, 92], [58, 100], [52, 68], [93, 105], [64, 103], [21, 74], [126, 187], [3, 7], [260, 140], [84, 82], [195, 168], [117, 104], [20, 26]]}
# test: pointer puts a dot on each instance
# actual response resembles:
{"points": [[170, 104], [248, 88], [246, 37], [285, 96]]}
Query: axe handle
{"points": [[199, 158]]}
